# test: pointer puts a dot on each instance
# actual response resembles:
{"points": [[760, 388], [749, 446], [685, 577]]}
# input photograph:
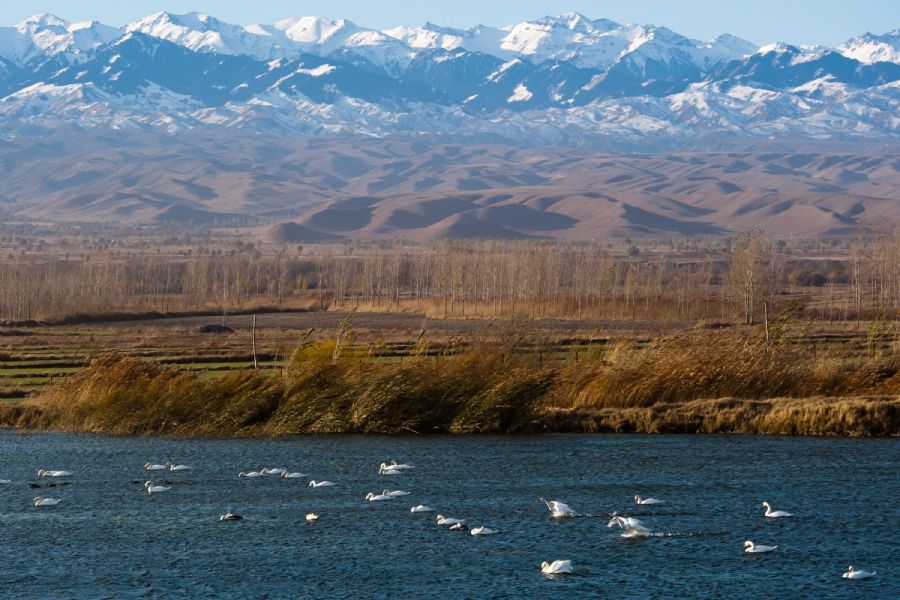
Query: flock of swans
{"points": [[631, 527]]}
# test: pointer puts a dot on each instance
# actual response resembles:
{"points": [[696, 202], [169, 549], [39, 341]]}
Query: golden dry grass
{"points": [[719, 382]]}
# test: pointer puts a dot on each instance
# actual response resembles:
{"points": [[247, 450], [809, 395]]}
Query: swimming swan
{"points": [[155, 489], [559, 510], [312, 517], [752, 548], [395, 493], [287, 475], [386, 469], [230, 516], [421, 508], [152, 467], [775, 514], [379, 498], [316, 484], [461, 526], [41, 501], [251, 474], [44, 473], [173, 467], [399, 467], [852, 573], [483, 531], [442, 520], [5, 481], [556, 567], [645, 501], [633, 527], [278, 471]]}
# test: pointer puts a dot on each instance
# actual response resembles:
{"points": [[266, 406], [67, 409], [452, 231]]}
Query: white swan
{"points": [[386, 469], [153, 467], [442, 520], [483, 531], [312, 517], [379, 498], [316, 484], [45, 473], [5, 481], [399, 467], [174, 467], [633, 527], [395, 493], [775, 514], [41, 501], [559, 510], [752, 548], [461, 526], [421, 508], [852, 573], [287, 475], [155, 489], [277, 471], [251, 474], [230, 516], [556, 567], [645, 501]]}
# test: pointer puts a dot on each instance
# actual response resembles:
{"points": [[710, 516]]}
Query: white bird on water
{"points": [[41, 501], [395, 493], [287, 475], [399, 466], [251, 474], [5, 481], [312, 517], [557, 567], [316, 484], [155, 489], [45, 473], [386, 469], [277, 471], [633, 527], [379, 498], [154, 467], [559, 510], [752, 548], [852, 573], [230, 516], [482, 531], [442, 520], [421, 508], [645, 501], [174, 467], [775, 514]]}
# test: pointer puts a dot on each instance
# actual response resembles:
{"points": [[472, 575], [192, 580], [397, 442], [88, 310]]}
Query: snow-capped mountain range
{"points": [[556, 80]]}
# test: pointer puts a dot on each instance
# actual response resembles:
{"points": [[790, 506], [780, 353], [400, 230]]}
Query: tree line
{"points": [[468, 279]]}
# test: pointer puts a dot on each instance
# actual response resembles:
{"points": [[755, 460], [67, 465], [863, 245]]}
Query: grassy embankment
{"points": [[722, 382]]}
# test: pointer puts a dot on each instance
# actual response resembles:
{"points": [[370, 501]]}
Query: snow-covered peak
{"points": [[43, 21], [726, 47], [870, 48], [777, 48], [315, 31], [202, 33], [48, 35]]}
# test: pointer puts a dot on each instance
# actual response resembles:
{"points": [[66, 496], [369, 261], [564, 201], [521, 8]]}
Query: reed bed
{"points": [[711, 383]]}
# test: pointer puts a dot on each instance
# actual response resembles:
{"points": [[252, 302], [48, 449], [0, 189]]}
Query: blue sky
{"points": [[761, 21]]}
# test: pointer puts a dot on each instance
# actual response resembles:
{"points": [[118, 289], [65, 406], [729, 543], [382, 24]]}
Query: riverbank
{"points": [[728, 384]]}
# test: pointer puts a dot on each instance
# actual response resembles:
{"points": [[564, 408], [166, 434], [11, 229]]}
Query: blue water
{"points": [[108, 539]]}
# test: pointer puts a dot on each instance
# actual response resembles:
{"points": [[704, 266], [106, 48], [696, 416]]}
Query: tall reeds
{"points": [[717, 382]]}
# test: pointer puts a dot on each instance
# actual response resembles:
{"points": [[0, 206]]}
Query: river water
{"points": [[109, 539]]}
